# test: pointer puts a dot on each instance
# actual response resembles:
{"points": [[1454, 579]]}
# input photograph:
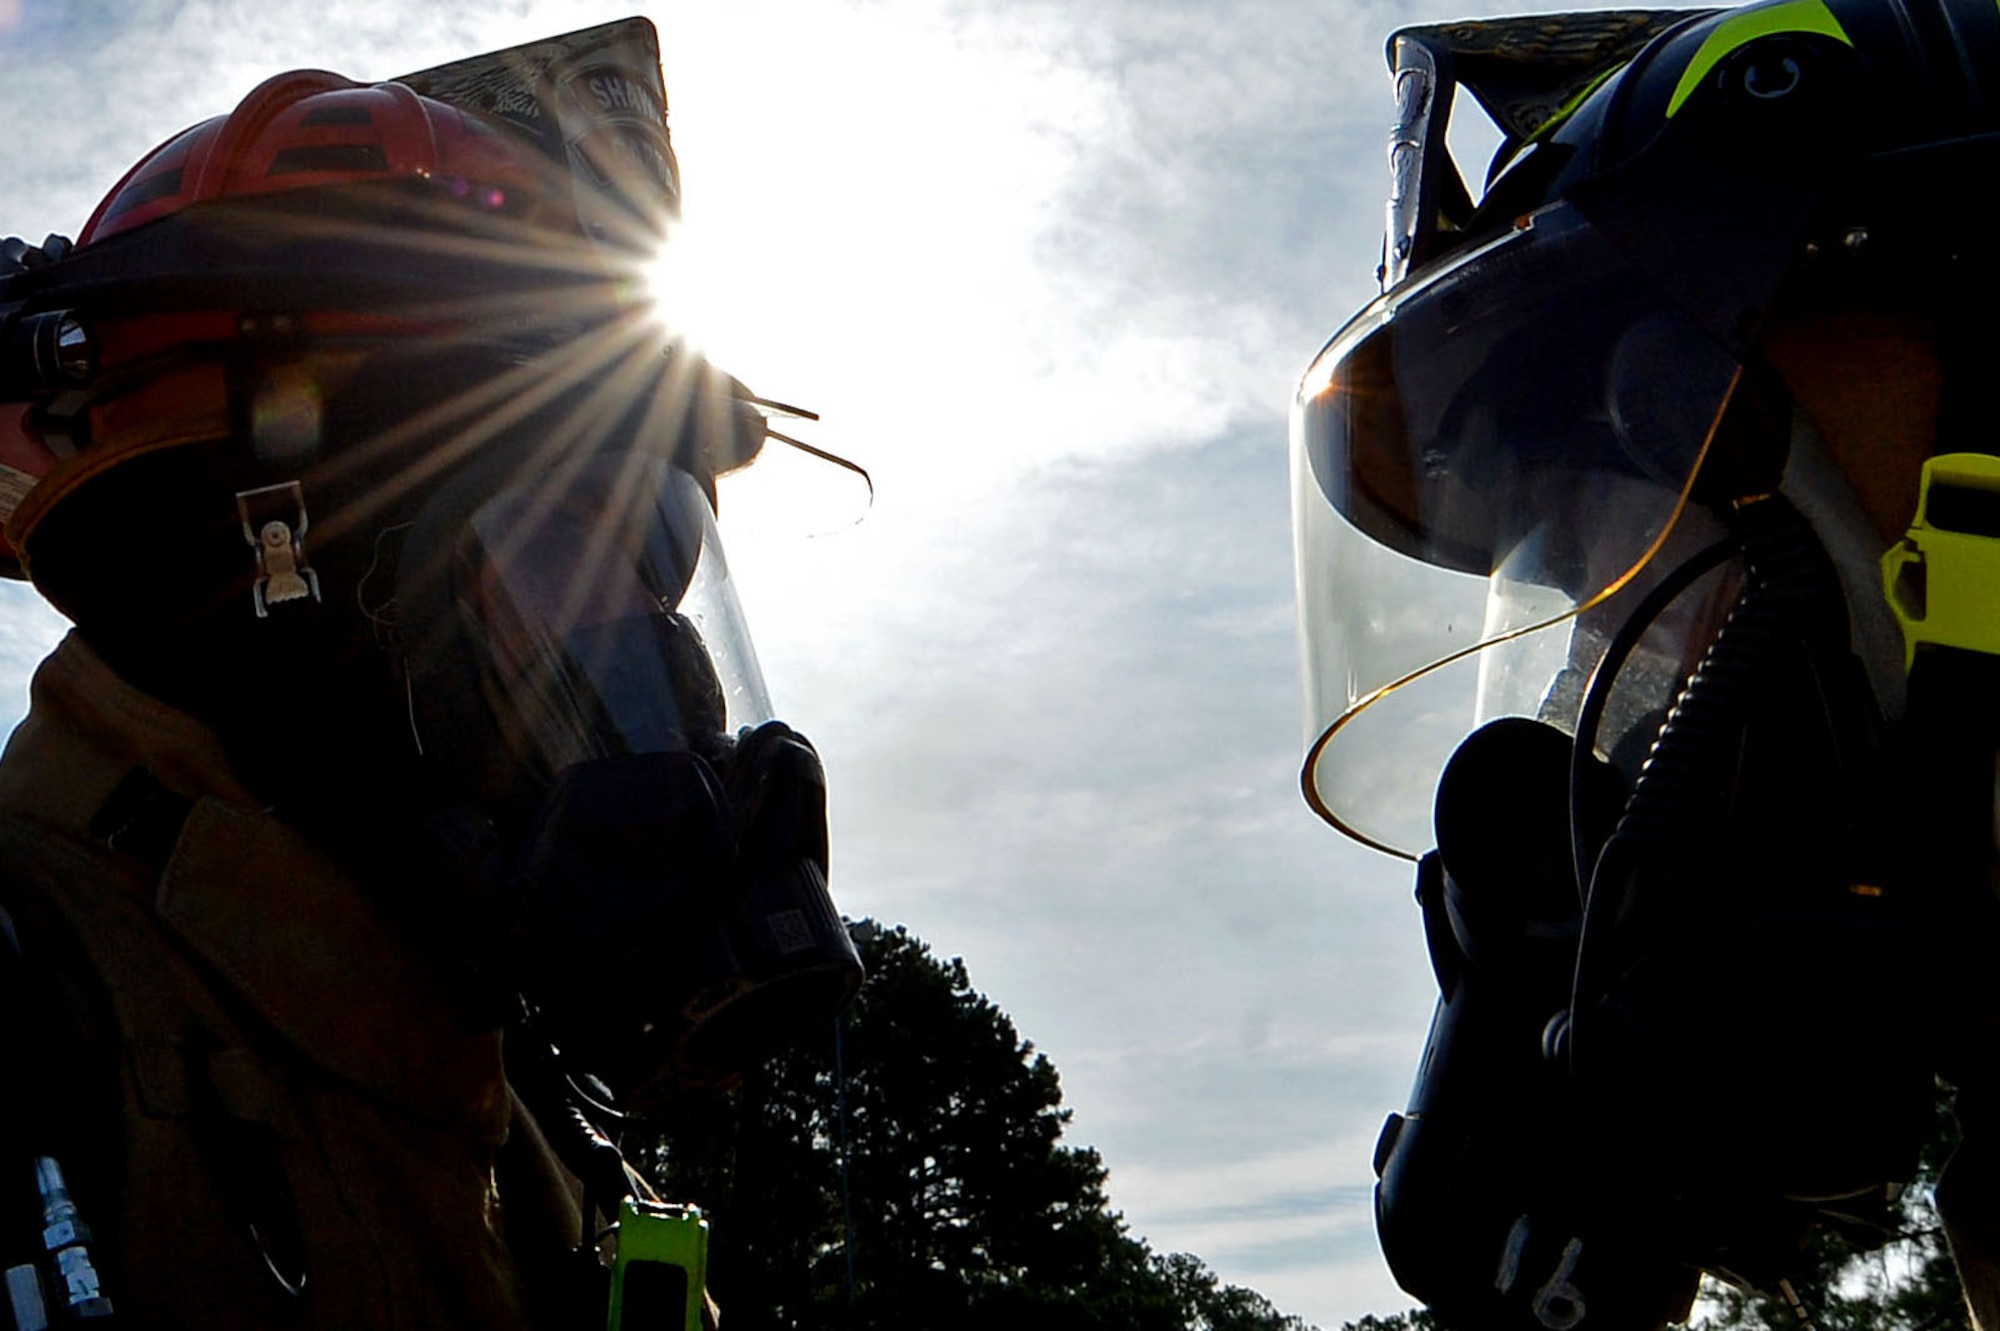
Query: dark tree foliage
{"points": [[1909, 1285], [957, 1207], [1203, 1303]]}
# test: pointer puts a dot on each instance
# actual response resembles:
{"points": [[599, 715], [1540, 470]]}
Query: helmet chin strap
{"points": [[1996, 803], [1821, 492]]}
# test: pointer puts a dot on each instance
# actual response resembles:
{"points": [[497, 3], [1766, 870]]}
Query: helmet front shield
{"points": [[595, 103], [1527, 73]]}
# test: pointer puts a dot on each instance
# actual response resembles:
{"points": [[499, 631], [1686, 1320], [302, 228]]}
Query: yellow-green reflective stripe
{"points": [[1748, 26]]}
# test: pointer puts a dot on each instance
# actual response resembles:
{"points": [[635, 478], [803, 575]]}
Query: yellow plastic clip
{"points": [[1943, 578], [661, 1267]]}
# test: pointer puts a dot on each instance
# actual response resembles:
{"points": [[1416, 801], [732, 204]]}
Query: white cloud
{"points": [[28, 629]]}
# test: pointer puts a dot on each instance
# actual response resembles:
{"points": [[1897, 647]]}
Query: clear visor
{"points": [[1490, 468], [595, 617]]}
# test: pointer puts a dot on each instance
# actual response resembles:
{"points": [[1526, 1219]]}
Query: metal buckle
{"points": [[274, 523]]}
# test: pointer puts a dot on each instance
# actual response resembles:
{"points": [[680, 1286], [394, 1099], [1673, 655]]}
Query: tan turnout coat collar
{"points": [[286, 929]]}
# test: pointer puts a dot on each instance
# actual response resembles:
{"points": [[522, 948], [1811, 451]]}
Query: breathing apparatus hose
{"points": [[584, 1149], [1598, 695], [1791, 595]]}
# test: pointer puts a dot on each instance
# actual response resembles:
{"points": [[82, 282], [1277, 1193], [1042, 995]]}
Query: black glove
{"points": [[18, 256]]}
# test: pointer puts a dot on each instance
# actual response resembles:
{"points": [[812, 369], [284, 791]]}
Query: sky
{"points": [[1050, 271]]}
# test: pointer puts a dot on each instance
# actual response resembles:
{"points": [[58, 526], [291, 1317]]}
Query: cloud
{"points": [[28, 629]]}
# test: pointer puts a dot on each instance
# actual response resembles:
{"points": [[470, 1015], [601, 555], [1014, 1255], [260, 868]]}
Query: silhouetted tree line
{"points": [[908, 1173]]}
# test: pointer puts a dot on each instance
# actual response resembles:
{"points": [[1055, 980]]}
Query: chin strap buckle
{"points": [[274, 523]]}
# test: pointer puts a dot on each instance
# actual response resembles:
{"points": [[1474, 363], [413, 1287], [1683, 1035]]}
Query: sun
{"points": [[685, 280]]}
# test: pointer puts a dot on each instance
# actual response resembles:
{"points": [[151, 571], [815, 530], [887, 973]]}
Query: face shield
{"points": [[1491, 466]]}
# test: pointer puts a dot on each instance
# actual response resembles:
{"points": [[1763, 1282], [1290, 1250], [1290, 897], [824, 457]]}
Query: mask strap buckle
{"points": [[274, 524]]}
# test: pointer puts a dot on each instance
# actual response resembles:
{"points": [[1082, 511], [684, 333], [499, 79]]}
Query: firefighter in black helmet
{"points": [[1649, 567]]}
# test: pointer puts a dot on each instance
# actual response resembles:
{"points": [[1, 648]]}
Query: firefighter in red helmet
{"points": [[407, 799]]}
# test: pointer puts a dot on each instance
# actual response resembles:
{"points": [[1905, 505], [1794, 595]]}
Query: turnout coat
{"points": [[272, 1106]]}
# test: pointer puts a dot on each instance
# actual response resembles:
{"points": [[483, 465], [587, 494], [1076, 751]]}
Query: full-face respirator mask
{"points": [[578, 663]]}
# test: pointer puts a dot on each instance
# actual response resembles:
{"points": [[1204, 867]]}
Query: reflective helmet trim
{"points": [[1807, 16]]}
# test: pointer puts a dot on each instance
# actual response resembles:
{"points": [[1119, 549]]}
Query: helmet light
{"points": [[46, 353]]}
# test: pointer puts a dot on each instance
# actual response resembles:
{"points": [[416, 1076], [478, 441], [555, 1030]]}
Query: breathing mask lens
{"points": [[1481, 461], [578, 615]]}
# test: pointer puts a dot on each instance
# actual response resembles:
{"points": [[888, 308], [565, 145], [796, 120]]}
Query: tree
{"points": [[1908, 1285], [1204, 1303], [907, 1171]]}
